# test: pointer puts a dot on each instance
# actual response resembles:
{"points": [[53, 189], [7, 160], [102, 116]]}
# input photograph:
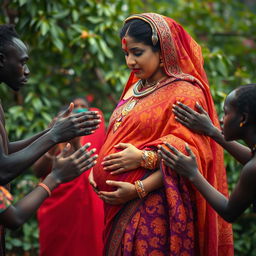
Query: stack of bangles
{"points": [[45, 187], [140, 189], [150, 160]]}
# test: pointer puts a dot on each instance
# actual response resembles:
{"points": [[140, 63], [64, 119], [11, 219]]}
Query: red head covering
{"points": [[151, 122]]}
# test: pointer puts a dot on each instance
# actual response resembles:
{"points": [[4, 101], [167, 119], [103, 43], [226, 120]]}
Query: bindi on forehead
{"points": [[124, 44]]}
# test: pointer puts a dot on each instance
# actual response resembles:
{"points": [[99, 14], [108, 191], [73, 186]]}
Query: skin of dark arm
{"points": [[42, 166], [64, 129], [64, 170], [229, 209], [18, 145], [201, 123]]}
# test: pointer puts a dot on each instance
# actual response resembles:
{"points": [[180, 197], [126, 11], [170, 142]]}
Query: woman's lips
{"points": [[136, 70]]}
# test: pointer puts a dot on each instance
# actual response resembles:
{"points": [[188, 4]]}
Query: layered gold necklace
{"points": [[139, 86], [138, 92]]}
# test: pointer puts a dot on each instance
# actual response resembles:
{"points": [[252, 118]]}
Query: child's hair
{"points": [[245, 100], [140, 31], [7, 32]]}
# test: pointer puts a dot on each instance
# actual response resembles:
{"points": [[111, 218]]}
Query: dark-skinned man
{"points": [[16, 157]]}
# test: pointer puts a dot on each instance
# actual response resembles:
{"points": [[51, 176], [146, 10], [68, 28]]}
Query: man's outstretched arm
{"points": [[64, 129], [19, 145]]}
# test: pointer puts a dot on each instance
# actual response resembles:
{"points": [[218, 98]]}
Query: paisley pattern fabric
{"points": [[175, 220]]}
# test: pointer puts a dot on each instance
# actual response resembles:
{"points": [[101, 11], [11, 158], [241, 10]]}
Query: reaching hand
{"points": [[67, 168], [124, 193], [127, 159], [67, 125], [198, 122], [177, 161], [92, 182]]}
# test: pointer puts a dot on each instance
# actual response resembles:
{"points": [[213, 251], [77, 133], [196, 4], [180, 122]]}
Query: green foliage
{"points": [[75, 51]]}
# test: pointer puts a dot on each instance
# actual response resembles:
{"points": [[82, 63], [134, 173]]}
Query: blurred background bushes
{"points": [[75, 50]]}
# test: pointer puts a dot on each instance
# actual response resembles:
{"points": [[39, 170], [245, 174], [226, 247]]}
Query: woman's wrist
{"points": [[149, 159], [140, 189]]}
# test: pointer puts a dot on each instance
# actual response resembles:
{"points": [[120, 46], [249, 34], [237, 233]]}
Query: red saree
{"points": [[71, 221], [174, 220]]}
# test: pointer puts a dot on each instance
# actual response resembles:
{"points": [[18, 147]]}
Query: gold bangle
{"points": [[139, 186], [45, 187], [149, 159]]}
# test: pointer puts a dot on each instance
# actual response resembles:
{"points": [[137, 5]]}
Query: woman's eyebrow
{"points": [[136, 48]]}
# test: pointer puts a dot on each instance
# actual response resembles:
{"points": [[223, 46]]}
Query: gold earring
{"points": [[241, 124]]}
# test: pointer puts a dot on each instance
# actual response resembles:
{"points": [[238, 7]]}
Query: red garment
{"points": [[71, 220], [190, 226]]}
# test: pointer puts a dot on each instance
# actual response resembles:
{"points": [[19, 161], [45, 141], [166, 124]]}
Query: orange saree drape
{"points": [[191, 226]]}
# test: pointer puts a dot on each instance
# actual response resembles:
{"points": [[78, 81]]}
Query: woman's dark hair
{"points": [[140, 31], [245, 100]]}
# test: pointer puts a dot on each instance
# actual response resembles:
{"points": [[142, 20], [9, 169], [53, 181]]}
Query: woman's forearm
{"points": [[153, 182]]}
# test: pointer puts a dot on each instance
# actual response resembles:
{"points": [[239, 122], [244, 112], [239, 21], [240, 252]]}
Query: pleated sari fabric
{"points": [[174, 220]]}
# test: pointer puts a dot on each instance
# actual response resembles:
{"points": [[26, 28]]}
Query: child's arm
{"points": [[64, 169], [241, 198], [201, 123]]}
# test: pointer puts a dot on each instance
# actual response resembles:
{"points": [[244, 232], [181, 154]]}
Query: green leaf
{"points": [[58, 43], [103, 46], [44, 27], [75, 15]]}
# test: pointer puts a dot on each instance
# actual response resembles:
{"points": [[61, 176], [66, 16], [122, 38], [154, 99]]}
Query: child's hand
{"points": [[177, 161], [198, 122]]}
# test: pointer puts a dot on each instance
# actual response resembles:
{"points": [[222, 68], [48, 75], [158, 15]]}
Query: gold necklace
{"points": [[137, 93], [125, 111], [139, 85]]}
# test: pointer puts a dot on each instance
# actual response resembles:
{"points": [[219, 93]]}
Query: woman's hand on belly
{"points": [[125, 192], [126, 160], [92, 182]]}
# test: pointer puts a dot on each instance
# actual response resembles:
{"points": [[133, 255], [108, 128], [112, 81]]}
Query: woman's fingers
{"points": [[122, 145], [118, 171], [112, 194], [112, 156]]}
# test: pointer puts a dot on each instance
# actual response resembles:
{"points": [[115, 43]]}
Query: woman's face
{"points": [[231, 119], [80, 103], [142, 60]]}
